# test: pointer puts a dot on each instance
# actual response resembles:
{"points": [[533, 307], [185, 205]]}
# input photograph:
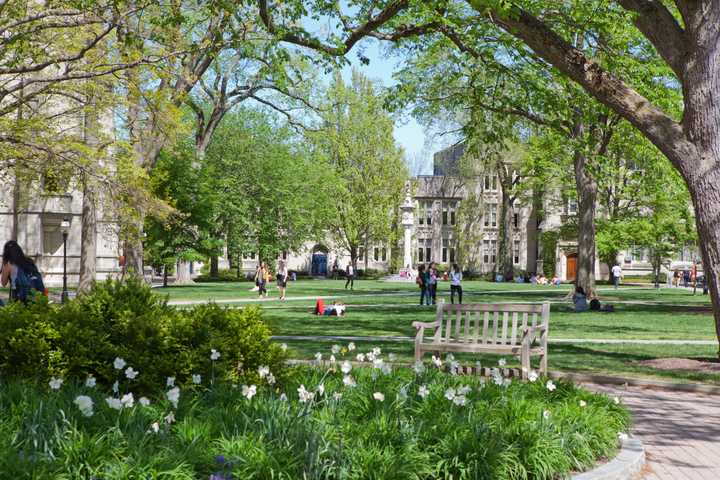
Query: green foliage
{"points": [[129, 321], [548, 244], [501, 432]]}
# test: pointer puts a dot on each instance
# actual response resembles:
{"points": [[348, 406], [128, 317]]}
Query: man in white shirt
{"points": [[617, 273], [350, 275]]}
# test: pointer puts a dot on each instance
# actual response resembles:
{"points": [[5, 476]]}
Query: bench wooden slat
{"points": [[503, 340], [513, 337], [493, 307], [524, 321], [458, 321], [496, 320], [467, 336], [485, 327], [477, 327], [448, 327]]}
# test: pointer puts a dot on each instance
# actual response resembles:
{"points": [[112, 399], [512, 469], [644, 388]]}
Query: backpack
{"points": [[419, 281], [26, 282], [594, 304]]}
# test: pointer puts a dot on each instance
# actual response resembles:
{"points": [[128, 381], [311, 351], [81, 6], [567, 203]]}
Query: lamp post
{"points": [[64, 228]]}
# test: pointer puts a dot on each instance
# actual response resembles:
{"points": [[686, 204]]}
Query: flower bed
{"points": [[339, 422]]}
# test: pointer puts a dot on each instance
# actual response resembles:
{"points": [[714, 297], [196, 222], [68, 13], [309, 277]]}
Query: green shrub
{"points": [[225, 275], [128, 320]]}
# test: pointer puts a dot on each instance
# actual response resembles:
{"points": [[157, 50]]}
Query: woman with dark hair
{"points": [[580, 299], [455, 286], [20, 272]]}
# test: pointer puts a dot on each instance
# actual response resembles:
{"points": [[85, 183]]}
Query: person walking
{"points": [[432, 282], [261, 278], [617, 273], [20, 273], [686, 278], [335, 269], [455, 279], [282, 278], [421, 282], [350, 275]]}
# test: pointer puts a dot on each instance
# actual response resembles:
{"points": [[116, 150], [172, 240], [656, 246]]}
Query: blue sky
{"points": [[408, 133]]}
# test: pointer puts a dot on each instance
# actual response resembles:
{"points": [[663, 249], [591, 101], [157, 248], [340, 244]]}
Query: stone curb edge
{"points": [[625, 466], [637, 382]]}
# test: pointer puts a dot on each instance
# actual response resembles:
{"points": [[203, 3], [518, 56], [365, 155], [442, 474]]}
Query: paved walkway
{"points": [[399, 339], [680, 430]]}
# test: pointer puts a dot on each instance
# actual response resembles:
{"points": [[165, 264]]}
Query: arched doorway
{"points": [[571, 267], [318, 267]]}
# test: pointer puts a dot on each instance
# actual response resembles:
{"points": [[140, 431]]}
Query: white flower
{"points": [[437, 361], [283, 347], [321, 389], [370, 357], [360, 357], [423, 391], [497, 377], [173, 396], [55, 383], [114, 403], [90, 382], [502, 362], [349, 381], [127, 400], [386, 369], [507, 382], [85, 404], [459, 400], [392, 357], [419, 367], [249, 392], [454, 366], [263, 371], [616, 400], [622, 436], [170, 418], [482, 383], [337, 396], [283, 397], [450, 393], [464, 390], [155, 427], [196, 378], [170, 382], [402, 393], [214, 354], [304, 395], [378, 363], [351, 346], [546, 414], [144, 401], [119, 363], [116, 386], [532, 376], [550, 385], [332, 358], [318, 356], [583, 403], [130, 373], [345, 367], [335, 349], [376, 351], [379, 396], [270, 379]]}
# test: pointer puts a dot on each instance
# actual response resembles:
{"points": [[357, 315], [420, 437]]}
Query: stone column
{"points": [[408, 222]]}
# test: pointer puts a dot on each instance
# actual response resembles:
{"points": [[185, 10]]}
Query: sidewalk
{"points": [[680, 431]]}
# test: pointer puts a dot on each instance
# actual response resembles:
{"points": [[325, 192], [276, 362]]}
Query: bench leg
{"points": [[543, 363], [418, 354], [525, 361]]}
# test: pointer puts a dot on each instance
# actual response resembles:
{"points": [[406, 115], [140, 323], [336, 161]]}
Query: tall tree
{"points": [[357, 142]]}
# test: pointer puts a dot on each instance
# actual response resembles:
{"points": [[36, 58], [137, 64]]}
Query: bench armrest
{"points": [[434, 324], [537, 329]]}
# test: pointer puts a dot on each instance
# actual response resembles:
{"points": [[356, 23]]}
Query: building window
{"points": [[448, 250], [452, 217], [425, 250], [516, 220], [448, 213], [489, 251], [572, 206], [361, 254], [491, 215], [248, 256], [421, 254], [383, 252], [428, 213], [376, 254], [490, 183], [516, 252]]}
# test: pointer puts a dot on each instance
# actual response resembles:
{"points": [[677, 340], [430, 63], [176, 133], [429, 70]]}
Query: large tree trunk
{"points": [[182, 275], [587, 191], [214, 271], [88, 239]]}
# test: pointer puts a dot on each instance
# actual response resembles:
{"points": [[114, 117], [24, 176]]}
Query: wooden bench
{"points": [[507, 329]]}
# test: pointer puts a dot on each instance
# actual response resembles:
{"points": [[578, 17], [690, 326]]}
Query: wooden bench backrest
{"points": [[488, 323]]}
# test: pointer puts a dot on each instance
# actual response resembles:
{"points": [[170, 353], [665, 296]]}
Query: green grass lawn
{"points": [[388, 309]]}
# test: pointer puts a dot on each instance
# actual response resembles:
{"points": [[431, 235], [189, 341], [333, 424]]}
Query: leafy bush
{"points": [[226, 275], [129, 321], [507, 431]]}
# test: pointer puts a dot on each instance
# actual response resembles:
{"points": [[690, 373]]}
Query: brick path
{"points": [[681, 431]]}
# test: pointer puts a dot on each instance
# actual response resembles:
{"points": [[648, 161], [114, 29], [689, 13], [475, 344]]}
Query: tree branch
{"points": [[661, 28]]}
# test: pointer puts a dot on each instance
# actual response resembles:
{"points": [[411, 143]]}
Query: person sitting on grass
{"points": [[580, 299], [337, 309]]}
